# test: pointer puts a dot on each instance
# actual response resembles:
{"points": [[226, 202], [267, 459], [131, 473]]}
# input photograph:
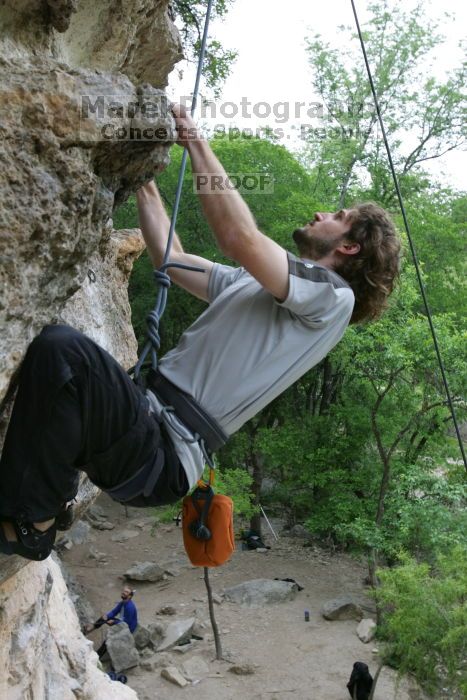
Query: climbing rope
{"points": [[161, 277], [409, 237], [154, 317]]}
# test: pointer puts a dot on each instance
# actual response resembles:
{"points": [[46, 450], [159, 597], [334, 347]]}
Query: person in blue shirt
{"points": [[124, 611]]}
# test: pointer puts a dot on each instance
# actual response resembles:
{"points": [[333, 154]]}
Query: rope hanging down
{"points": [[162, 278], [163, 281], [409, 237]]}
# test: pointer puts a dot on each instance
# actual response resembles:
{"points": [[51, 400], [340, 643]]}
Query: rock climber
{"points": [[268, 321]]}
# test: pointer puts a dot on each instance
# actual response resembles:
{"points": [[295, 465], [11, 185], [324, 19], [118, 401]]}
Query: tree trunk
{"points": [[375, 680], [327, 387], [257, 462]]}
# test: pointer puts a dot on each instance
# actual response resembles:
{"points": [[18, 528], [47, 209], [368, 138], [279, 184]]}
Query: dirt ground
{"points": [[292, 658]]}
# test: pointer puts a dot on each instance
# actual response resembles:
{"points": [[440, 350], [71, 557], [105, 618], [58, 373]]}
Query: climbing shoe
{"points": [[31, 543], [64, 519]]}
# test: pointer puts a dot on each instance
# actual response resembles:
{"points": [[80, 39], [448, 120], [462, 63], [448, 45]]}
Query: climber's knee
{"points": [[51, 336]]}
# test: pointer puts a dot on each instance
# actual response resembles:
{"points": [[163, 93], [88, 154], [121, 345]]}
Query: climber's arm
{"points": [[109, 617], [228, 215], [155, 226]]}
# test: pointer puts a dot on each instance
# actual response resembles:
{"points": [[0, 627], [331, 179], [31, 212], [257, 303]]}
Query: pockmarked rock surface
{"points": [[83, 123], [260, 592]]}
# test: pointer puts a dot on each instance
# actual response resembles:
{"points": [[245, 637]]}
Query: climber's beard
{"points": [[314, 245]]}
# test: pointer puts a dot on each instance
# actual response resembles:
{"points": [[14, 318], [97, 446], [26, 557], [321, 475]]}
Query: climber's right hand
{"points": [[186, 126]]}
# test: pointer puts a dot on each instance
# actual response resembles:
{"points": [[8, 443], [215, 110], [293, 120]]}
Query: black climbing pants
{"points": [[77, 409]]}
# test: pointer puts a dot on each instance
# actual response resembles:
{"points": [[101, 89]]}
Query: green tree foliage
{"points": [[218, 61], [423, 116], [425, 620]]}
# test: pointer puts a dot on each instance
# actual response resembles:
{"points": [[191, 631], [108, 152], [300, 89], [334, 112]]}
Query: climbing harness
{"points": [[189, 411], [409, 237]]}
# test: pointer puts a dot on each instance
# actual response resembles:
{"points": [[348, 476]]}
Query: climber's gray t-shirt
{"points": [[247, 348]]}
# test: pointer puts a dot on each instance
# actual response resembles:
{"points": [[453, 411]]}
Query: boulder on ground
{"points": [[142, 637], [145, 571], [177, 632], [261, 591], [172, 674], [121, 647], [366, 630], [343, 608], [124, 535], [156, 634], [150, 663], [299, 531]]}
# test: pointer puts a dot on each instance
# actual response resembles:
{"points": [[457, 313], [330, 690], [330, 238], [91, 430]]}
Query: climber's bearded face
{"points": [[323, 234], [125, 594]]}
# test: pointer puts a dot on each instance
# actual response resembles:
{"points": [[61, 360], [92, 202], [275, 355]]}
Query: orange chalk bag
{"points": [[207, 524]]}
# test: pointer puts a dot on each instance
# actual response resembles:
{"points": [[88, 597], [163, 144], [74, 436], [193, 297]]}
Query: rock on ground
{"points": [[194, 668], [121, 647], [124, 535], [242, 669], [259, 592], [79, 533], [177, 632], [145, 571], [366, 630], [343, 608], [142, 637], [172, 674], [156, 634]]}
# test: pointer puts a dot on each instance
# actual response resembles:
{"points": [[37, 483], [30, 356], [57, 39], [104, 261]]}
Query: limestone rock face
{"points": [[100, 307], [42, 651], [83, 123], [59, 183], [134, 37]]}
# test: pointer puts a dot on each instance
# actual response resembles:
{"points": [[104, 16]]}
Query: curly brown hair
{"points": [[373, 271]]}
